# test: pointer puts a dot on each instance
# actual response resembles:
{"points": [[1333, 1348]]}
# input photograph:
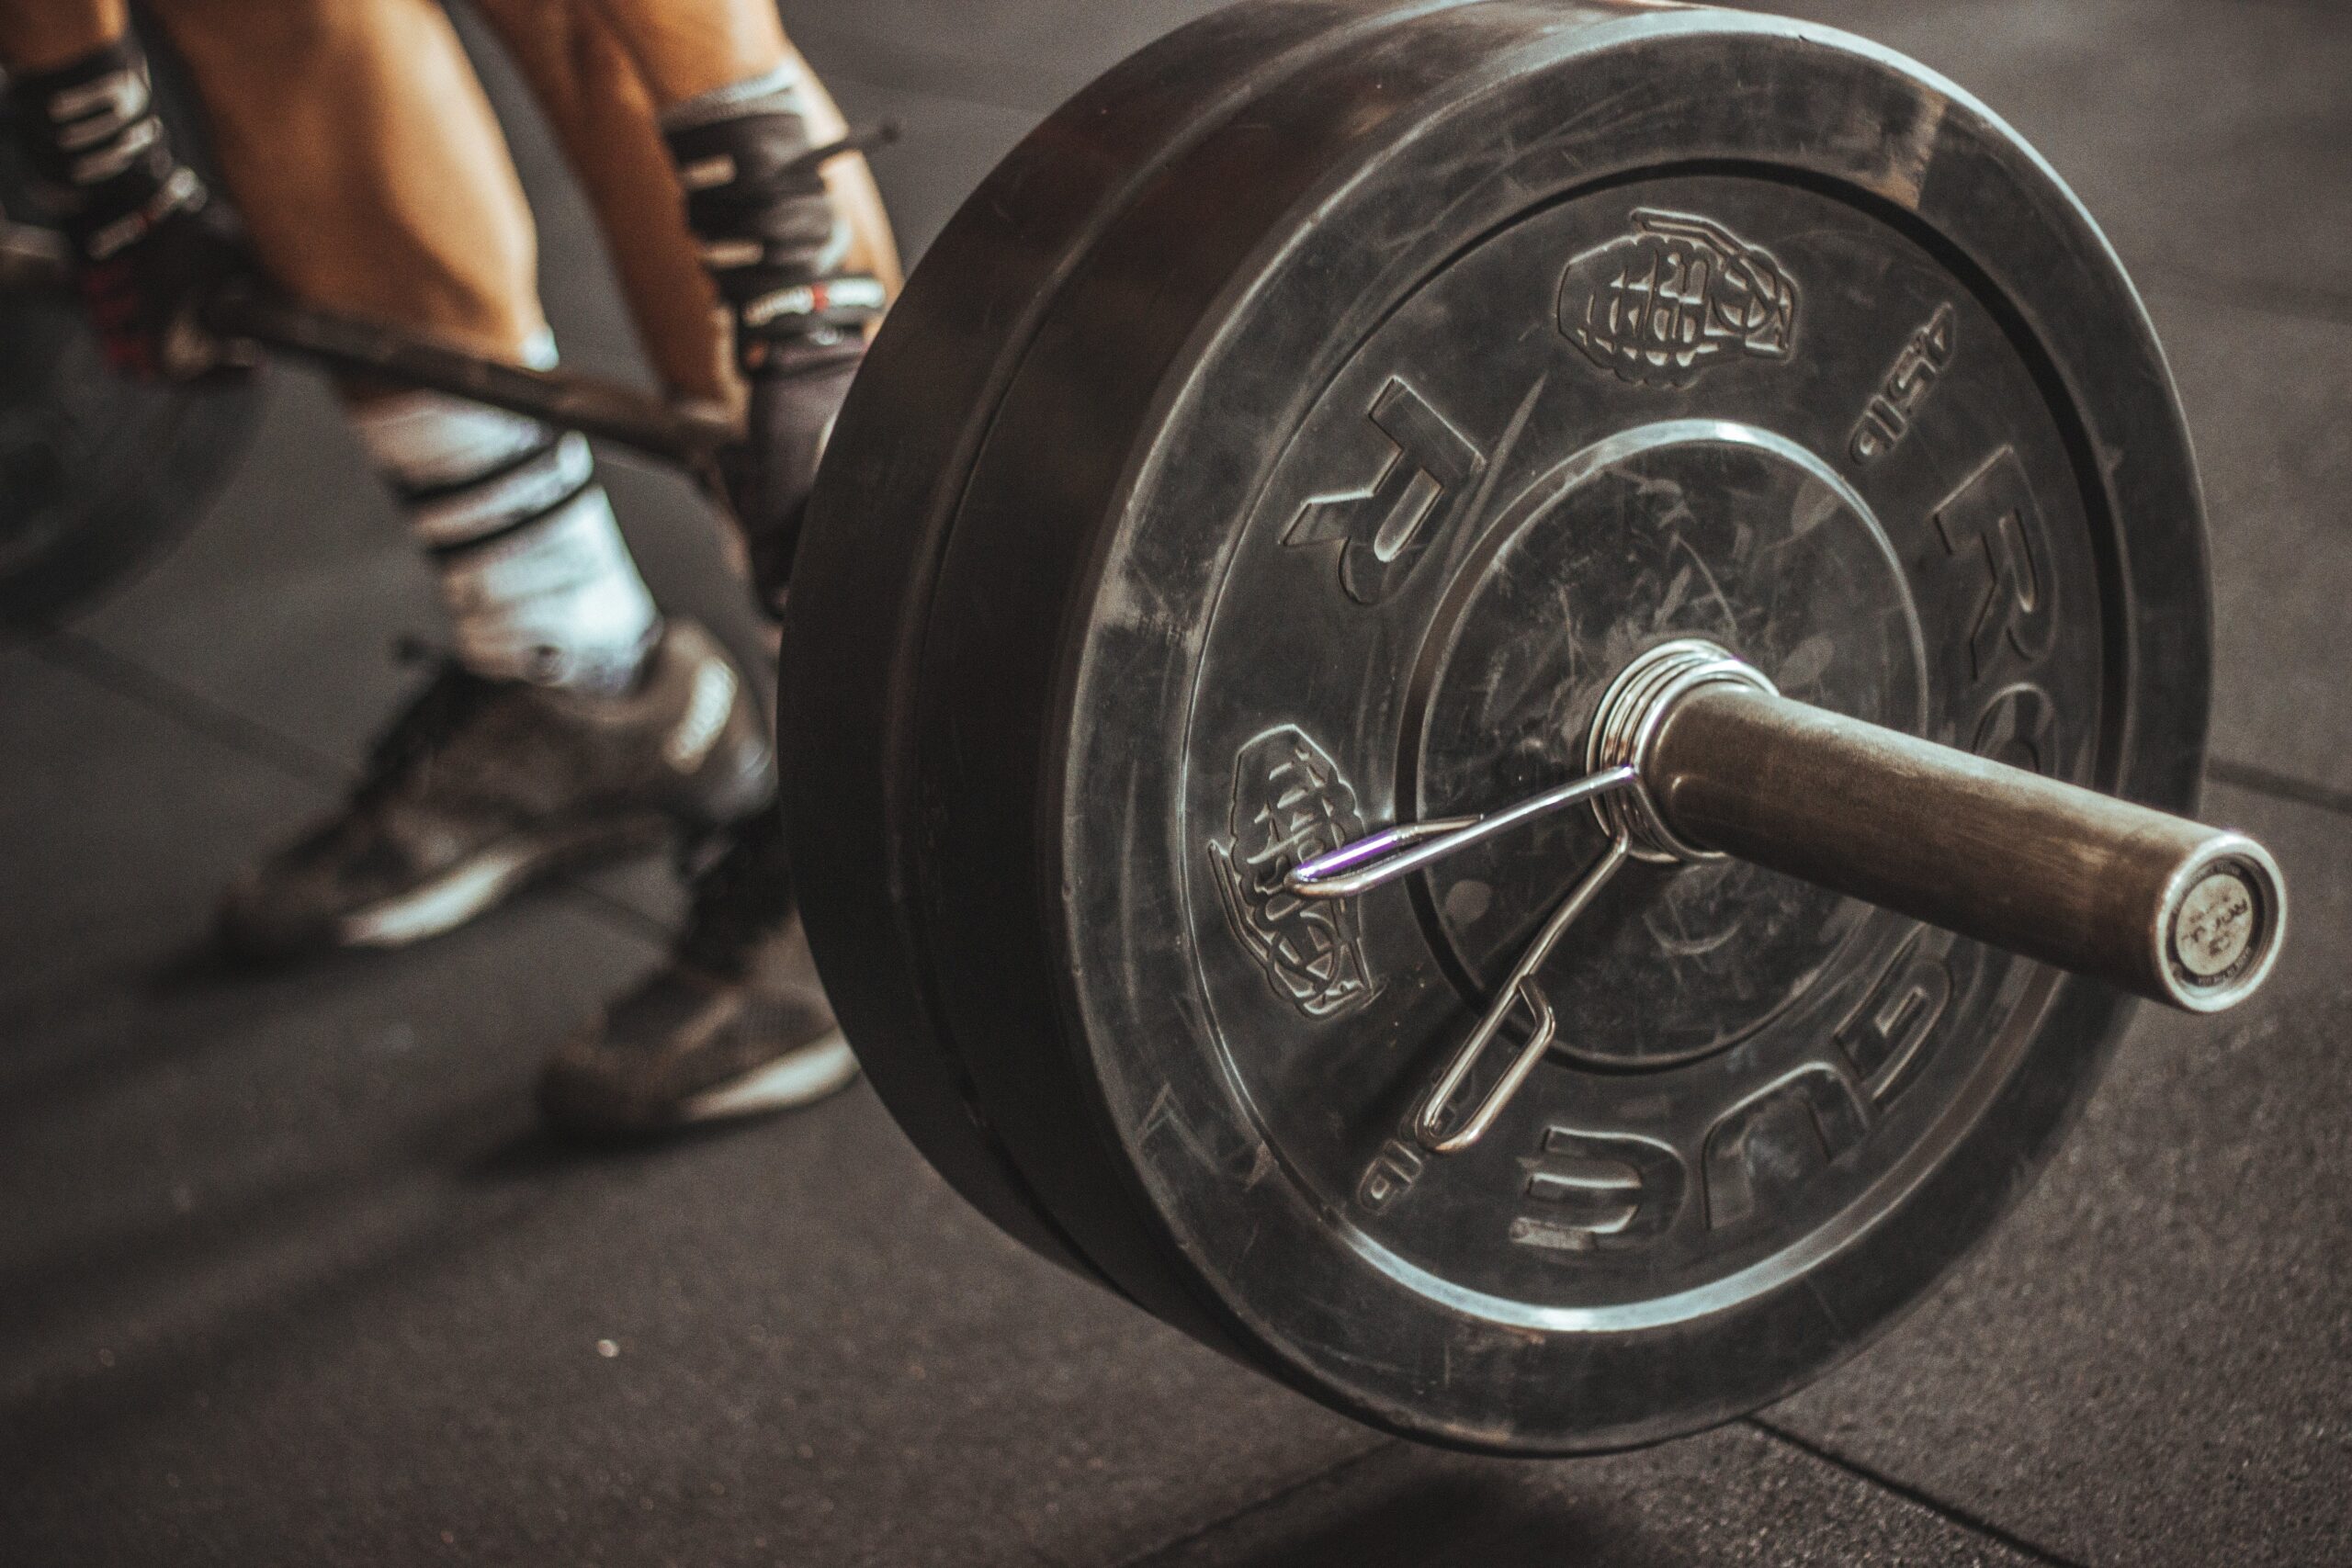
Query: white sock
{"points": [[538, 583]]}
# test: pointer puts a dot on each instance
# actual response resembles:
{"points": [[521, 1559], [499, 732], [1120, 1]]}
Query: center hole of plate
{"points": [[1678, 530]]}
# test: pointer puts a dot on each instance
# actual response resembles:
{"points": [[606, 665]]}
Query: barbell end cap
{"points": [[2222, 925]]}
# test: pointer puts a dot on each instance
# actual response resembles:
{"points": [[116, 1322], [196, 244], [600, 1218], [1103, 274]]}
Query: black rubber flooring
{"points": [[287, 1276]]}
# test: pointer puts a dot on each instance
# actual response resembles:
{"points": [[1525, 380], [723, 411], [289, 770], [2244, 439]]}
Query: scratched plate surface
{"points": [[1484, 350], [1658, 411]]}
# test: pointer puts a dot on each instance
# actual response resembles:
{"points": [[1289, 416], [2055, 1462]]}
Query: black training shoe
{"points": [[480, 785], [734, 1025]]}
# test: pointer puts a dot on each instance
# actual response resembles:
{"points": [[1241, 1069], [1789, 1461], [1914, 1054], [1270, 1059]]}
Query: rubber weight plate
{"points": [[878, 522], [1385, 424]]}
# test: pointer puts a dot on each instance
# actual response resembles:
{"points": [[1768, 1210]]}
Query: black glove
{"points": [[151, 247]]}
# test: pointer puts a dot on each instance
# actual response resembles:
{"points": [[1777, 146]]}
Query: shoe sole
{"points": [[800, 1077], [468, 891]]}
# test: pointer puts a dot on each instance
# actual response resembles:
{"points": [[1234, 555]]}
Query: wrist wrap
{"points": [[769, 233], [103, 157]]}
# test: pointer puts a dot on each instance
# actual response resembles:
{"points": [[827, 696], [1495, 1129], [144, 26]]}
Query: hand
{"points": [[151, 247], [146, 300], [794, 394]]}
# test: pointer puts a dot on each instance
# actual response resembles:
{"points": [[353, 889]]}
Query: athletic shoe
{"points": [[482, 786], [734, 1025]]}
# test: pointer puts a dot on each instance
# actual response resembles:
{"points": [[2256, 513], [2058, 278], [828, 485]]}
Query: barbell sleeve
{"points": [[2172, 910]]}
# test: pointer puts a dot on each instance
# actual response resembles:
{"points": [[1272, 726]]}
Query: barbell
{"points": [[1492, 699]]}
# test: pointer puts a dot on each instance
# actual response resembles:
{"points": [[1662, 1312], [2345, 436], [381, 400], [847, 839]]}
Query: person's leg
{"points": [[603, 114], [689, 50], [681, 119], [42, 34], [800, 255], [375, 181], [702, 47]]}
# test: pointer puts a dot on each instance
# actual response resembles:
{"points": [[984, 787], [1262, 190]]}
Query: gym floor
{"points": [[287, 1275]]}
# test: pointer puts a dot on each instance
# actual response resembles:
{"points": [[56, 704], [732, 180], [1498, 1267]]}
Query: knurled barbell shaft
{"points": [[686, 433], [2172, 910]]}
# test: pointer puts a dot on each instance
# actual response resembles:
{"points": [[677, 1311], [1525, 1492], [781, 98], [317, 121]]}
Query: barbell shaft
{"points": [[2185, 914], [685, 433]]}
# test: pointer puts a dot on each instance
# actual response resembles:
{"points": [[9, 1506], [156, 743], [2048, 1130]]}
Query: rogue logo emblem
{"points": [[1289, 805], [1678, 295], [1387, 525]]}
